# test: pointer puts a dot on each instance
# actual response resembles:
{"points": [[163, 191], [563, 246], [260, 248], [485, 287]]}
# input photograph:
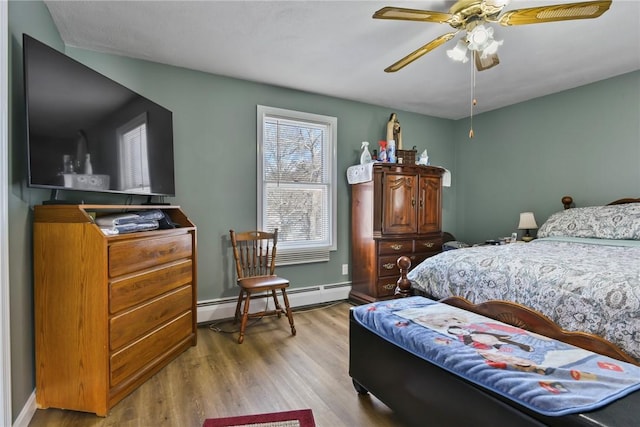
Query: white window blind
{"points": [[296, 182]]}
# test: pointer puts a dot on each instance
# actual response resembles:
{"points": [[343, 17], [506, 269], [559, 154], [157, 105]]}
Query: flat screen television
{"points": [[87, 132]]}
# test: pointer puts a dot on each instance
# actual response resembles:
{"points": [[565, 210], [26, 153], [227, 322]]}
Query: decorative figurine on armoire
{"points": [[394, 132]]}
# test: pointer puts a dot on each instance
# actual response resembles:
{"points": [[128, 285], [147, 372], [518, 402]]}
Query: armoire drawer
{"points": [[388, 265], [133, 358], [428, 245], [386, 286], [138, 254], [400, 247], [132, 324], [132, 290]]}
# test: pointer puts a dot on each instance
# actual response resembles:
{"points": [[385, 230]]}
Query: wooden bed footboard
{"points": [[421, 393], [522, 317], [525, 318]]}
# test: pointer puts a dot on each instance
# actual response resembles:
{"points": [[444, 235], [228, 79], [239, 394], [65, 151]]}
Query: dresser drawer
{"points": [[386, 286], [132, 324], [133, 358], [138, 254], [400, 247], [428, 245], [132, 290]]}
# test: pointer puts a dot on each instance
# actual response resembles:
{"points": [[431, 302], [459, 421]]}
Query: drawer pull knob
{"points": [[389, 266], [396, 247], [428, 244], [389, 286]]}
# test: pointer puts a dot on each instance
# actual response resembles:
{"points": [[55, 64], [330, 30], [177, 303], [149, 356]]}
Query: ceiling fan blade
{"points": [[412, 15], [560, 12], [419, 52], [487, 62]]}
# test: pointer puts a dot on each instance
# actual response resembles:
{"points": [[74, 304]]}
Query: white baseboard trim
{"points": [[27, 413], [224, 308]]}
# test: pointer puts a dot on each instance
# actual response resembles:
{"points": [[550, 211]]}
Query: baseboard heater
{"points": [[224, 308]]}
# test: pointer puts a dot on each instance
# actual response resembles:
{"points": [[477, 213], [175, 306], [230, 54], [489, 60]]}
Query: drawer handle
{"points": [[428, 244], [389, 286], [396, 247], [389, 266]]}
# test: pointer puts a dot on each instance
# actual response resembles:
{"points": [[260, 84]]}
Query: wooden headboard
{"points": [[567, 201], [623, 201]]}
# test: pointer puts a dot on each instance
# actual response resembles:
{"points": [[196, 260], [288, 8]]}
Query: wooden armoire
{"points": [[398, 212]]}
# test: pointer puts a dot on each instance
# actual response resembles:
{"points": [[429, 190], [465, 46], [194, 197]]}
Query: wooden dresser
{"points": [[110, 311], [397, 213]]}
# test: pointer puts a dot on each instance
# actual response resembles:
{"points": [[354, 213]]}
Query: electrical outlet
{"points": [[345, 269]]}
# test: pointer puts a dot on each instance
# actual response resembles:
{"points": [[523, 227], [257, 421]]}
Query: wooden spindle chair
{"points": [[255, 256]]}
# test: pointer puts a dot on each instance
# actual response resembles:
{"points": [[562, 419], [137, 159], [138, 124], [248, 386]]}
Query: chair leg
{"points": [[289, 312], [245, 317], [278, 309], [236, 317]]}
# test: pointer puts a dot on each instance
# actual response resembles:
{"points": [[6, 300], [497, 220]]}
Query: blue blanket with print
{"points": [[542, 374]]}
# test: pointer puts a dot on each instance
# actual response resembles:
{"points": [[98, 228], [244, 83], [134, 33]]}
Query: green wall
{"points": [[32, 17], [584, 142]]}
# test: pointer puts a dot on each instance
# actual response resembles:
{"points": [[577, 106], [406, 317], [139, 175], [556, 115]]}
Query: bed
{"points": [[583, 272], [555, 292]]}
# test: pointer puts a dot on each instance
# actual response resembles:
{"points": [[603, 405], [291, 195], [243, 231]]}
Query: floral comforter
{"points": [[582, 284]]}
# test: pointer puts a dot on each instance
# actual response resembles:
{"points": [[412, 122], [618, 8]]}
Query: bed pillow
{"points": [[621, 222]]}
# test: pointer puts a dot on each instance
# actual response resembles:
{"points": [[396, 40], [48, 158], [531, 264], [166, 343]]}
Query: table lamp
{"points": [[527, 222]]}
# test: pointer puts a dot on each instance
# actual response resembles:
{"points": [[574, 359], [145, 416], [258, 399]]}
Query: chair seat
{"points": [[263, 282]]}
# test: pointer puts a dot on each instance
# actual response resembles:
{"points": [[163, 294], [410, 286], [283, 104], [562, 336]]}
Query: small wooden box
{"points": [[407, 157]]}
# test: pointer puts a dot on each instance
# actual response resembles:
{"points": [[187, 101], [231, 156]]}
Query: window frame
{"points": [[297, 253]]}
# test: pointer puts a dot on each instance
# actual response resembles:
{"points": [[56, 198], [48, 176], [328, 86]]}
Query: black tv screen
{"points": [[87, 132]]}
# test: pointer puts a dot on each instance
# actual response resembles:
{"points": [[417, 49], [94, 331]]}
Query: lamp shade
{"points": [[527, 221]]}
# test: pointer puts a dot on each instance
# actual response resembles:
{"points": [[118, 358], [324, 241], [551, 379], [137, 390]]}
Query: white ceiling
{"points": [[336, 48]]}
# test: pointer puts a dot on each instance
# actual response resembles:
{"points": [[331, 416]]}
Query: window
{"points": [[297, 182], [133, 158]]}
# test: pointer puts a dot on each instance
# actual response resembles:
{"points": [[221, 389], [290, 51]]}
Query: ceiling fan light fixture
{"points": [[491, 49], [480, 37], [459, 52]]}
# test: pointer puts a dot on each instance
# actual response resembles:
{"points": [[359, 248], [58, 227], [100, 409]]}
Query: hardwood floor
{"points": [[270, 371]]}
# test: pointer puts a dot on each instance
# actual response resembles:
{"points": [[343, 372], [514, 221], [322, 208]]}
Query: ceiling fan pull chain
{"points": [[473, 99]]}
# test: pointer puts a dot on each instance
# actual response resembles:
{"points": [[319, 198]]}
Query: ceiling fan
{"points": [[472, 16]]}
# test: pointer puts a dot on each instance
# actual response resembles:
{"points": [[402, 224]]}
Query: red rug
{"points": [[300, 418]]}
